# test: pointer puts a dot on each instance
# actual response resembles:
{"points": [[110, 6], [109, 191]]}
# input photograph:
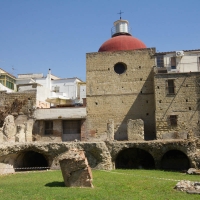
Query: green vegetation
{"points": [[117, 184]]}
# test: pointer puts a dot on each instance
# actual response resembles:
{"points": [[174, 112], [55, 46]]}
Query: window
{"points": [[56, 88], [9, 85], [160, 60], [71, 127], [173, 62], [170, 86], [120, 68], [48, 128], [173, 120]]}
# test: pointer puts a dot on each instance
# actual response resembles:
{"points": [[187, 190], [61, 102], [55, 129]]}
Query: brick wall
{"points": [[184, 104], [120, 97]]}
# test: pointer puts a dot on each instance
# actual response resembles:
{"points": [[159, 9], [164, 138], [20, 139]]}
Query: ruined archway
{"points": [[175, 160], [31, 159], [134, 158]]}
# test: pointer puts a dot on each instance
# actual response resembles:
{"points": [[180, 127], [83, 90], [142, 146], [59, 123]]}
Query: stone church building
{"points": [[125, 84]]}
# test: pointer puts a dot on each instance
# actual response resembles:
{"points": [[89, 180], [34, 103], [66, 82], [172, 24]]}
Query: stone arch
{"points": [[134, 158], [30, 159], [175, 160]]}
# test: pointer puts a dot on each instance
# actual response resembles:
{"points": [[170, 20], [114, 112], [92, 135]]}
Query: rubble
{"points": [[193, 171], [75, 169], [188, 186]]}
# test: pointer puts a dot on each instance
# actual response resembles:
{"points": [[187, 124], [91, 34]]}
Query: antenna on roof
{"points": [[120, 13], [13, 70]]}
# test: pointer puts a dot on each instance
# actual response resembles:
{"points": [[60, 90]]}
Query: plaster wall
{"points": [[60, 113], [188, 62]]}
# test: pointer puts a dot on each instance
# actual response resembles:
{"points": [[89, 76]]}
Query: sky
{"points": [[36, 35]]}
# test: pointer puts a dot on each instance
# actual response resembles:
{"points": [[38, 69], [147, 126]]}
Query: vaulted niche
{"points": [[31, 159], [120, 67], [175, 160], [134, 158]]}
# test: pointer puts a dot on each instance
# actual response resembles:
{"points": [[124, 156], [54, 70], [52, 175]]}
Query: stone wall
{"points": [[111, 96], [16, 104], [100, 155], [184, 104]]}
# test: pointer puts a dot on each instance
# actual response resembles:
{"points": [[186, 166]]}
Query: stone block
{"points": [[6, 168], [135, 129], [1, 135], [20, 135], [75, 169], [110, 130], [9, 128], [29, 128]]}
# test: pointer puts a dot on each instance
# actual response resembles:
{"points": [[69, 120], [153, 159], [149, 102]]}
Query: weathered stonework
{"points": [[20, 135], [75, 169], [28, 132], [110, 130], [14, 154], [135, 129], [129, 95], [17, 103], [184, 104], [9, 129], [100, 155]]}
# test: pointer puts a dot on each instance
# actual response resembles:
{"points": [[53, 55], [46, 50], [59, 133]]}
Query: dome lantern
{"points": [[120, 27]]}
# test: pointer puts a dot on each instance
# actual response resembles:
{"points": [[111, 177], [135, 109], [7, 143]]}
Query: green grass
{"points": [[117, 184]]}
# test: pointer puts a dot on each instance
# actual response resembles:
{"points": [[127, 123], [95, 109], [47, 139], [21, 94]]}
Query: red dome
{"points": [[122, 42]]}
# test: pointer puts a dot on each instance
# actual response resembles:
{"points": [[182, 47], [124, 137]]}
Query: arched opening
{"points": [[31, 160], [134, 158], [175, 160]]}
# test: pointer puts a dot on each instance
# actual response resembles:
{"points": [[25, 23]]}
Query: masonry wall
{"points": [[120, 97], [17, 103], [184, 104]]}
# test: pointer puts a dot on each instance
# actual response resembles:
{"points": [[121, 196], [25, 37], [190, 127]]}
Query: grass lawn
{"points": [[117, 184]]}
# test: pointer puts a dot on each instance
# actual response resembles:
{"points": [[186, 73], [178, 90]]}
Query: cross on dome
{"points": [[120, 14]]}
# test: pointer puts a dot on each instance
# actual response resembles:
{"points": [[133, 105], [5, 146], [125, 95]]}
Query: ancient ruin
{"points": [[140, 110], [75, 169]]}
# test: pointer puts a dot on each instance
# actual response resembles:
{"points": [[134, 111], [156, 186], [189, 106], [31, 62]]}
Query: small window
{"points": [[56, 89], [48, 128], [173, 120], [160, 60], [170, 86], [120, 68], [173, 62]]}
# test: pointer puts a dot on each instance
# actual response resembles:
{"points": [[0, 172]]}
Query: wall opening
{"points": [[31, 159], [175, 160], [134, 158]]}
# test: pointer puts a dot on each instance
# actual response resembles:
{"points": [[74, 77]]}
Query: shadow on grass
{"points": [[55, 184]]}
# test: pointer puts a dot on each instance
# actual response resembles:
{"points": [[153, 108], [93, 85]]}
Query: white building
{"points": [[53, 91], [178, 61]]}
